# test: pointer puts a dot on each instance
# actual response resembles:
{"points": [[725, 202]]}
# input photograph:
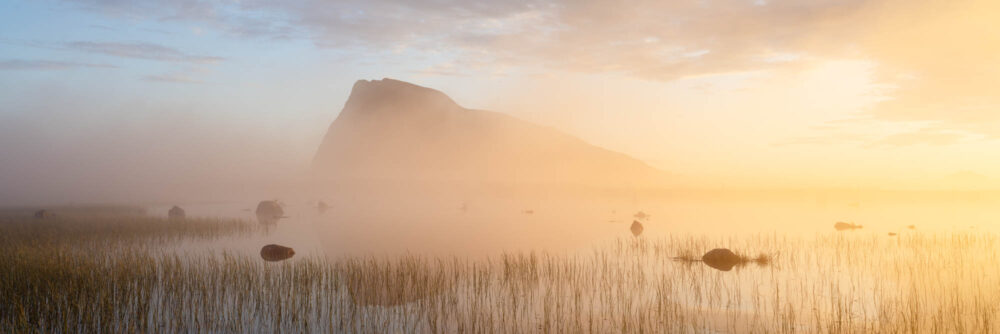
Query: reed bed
{"points": [[827, 283]]}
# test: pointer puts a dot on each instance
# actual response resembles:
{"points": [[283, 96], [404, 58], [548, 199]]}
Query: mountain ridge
{"points": [[395, 130]]}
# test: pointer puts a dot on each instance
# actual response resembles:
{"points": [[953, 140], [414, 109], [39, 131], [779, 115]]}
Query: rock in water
{"points": [[40, 214], [636, 228], [276, 253], [721, 259], [176, 213], [842, 226], [268, 212]]}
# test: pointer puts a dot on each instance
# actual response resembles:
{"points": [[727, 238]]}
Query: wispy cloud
{"points": [[834, 134], [141, 50], [172, 78], [925, 136], [24, 64]]}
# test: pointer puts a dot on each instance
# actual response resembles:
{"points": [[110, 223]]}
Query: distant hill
{"points": [[395, 131]]}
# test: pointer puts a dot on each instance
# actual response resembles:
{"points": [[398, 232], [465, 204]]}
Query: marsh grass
{"points": [[65, 229], [829, 283]]}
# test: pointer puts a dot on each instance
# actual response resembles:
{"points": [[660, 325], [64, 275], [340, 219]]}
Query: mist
{"points": [[688, 166], [64, 148]]}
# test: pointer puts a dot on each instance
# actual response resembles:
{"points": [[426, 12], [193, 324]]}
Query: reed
{"points": [[60, 278]]}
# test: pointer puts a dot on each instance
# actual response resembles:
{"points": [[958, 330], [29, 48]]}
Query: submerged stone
{"points": [[268, 212], [274, 253], [636, 228], [842, 226], [721, 259], [176, 213]]}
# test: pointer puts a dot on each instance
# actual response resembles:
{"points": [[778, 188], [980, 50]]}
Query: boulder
{"points": [[842, 226], [636, 228], [722, 259], [274, 253], [176, 213], [268, 212]]}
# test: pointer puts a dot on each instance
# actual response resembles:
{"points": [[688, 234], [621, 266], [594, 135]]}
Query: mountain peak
{"points": [[393, 131], [376, 95]]}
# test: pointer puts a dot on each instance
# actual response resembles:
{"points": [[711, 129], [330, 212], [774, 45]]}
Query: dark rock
{"points": [[722, 259], [268, 212], [176, 213], [842, 226], [276, 253], [636, 228]]}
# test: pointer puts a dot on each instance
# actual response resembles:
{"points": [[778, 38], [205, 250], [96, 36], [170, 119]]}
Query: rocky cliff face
{"points": [[393, 131]]}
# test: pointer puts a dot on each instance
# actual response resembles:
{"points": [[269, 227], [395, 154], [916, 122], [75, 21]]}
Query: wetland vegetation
{"points": [[113, 273]]}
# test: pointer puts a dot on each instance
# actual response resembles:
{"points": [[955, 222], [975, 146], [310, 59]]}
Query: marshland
{"points": [[519, 166], [134, 270]]}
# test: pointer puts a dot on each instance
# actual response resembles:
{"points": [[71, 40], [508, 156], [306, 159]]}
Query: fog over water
{"points": [[552, 166], [406, 169], [400, 222]]}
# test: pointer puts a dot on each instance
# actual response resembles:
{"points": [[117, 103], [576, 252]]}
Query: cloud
{"points": [[840, 135], [942, 58], [26, 64], [172, 78], [650, 39], [925, 136], [141, 50]]}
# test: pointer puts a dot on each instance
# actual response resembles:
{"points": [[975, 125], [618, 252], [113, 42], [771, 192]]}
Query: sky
{"points": [[118, 96]]}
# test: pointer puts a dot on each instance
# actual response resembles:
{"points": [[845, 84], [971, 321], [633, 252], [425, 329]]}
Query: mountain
{"points": [[394, 131]]}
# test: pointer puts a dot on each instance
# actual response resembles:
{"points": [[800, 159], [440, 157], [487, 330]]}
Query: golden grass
{"points": [[828, 283]]}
